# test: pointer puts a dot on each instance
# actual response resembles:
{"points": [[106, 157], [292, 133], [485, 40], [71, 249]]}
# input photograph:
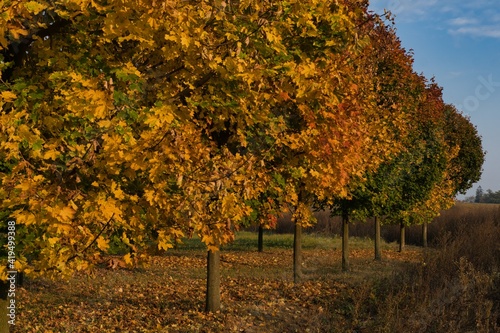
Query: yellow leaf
{"points": [[177, 232], [132, 69], [50, 155], [213, 248], [105, 123], [127, 259], [117, 191], [16, 32], [3, 273], [53, 240], [38, 178], [63, 228], [102, 243], [18, 265], [65, 214], [185, 41], [8, 96], [24, 186], [25, 218], [149, 195], [164, 242], [34, 7]]}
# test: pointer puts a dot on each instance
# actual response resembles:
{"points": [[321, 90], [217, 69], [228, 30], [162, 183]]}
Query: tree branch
{"points": [[93, 241]]}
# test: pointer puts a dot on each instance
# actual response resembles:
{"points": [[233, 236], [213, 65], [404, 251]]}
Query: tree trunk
{"points": [[345, 242], [261, 239], [378, 252], [424, 235], [402, 237], [297, 253], [4, 303], [213, 282]]}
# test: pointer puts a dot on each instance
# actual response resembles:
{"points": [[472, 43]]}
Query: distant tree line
{"points": [[482, 196]]}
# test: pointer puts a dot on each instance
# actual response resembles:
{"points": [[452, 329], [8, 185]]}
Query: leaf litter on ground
{"points": [[167, 295]]}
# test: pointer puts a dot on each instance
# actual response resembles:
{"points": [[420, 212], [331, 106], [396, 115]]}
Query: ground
{"points": [[258, 293]]}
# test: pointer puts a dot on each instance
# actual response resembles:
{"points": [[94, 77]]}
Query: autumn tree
{"points": [[267, 209], [463, 168], [143, 121], [462, 157], [155, 120], [336, 129], [467, 164], [398, 94]]}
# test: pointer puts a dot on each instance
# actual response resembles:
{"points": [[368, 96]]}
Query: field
{"points": [[454, 286]]}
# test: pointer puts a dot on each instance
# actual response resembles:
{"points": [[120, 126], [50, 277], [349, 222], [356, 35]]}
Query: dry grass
{"points": [[458, 288]]}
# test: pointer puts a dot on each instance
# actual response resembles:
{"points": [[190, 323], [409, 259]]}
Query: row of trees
{"points": [[482, 196], [140, 122]]}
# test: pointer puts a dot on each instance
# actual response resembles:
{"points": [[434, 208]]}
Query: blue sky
{"points": [[458, 43]]}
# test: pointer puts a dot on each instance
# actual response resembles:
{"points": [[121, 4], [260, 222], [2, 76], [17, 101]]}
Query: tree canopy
{"points": [[142, 122]]}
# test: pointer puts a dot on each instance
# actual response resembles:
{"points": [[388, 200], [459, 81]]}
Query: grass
{"points": [[247, 241], [322, 255]]}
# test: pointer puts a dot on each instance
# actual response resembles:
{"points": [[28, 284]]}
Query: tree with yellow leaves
{"points": [[152, 120], [146, 121]]}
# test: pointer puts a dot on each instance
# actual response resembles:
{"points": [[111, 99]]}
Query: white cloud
{"points": [[478, 31], [479, 18], [461, 21], [484, 23], [405, 10]]}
